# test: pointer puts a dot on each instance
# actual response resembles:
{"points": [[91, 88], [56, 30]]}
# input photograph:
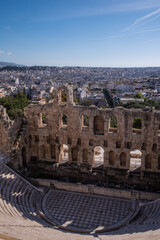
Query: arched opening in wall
{"points": [[74, 154], [148, 161], [111, 158], [42, 120], [98, 158], [137, 125], [63, 121], [85, 121], [123, 159], [85, 155], [135, 160], [24, 162], [98, 125], [63, 156], [113, 124], [63, 96]]}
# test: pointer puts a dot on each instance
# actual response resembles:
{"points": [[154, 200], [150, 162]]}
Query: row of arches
{"points": [[98, 157], [98, 123]]}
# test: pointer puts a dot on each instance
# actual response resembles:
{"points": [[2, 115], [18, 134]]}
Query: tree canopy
{"points": [[15, 104]]}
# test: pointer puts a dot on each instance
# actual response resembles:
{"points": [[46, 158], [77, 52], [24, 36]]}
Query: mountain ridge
{"points": [[5, 64]]}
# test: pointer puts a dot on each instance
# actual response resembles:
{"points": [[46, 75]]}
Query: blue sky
{"points": [[107, 33]]}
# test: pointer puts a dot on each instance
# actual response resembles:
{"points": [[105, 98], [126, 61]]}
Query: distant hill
{"points": [[5, 64]]}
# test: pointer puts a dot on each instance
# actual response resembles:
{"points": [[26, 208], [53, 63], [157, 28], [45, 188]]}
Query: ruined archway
{"points": [[98, 157], [98, 125], [135, 160], [63, 156]]}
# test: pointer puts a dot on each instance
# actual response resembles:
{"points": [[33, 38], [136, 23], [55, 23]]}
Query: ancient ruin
{"points": [[80, 159], [61, 139]]}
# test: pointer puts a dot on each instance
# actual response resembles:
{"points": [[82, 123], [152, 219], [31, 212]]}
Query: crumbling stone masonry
{"points": [[63, 139]]}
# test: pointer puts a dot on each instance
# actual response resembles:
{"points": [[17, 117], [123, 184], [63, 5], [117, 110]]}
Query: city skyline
{"points": [[80, 33]]}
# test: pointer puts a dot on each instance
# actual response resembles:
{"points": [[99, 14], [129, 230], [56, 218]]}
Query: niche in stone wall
{"points": [[118, 144], [144, 146], [69, 140], [98, 157], [105, 143], [123, 159], [36, 138], [148, 161], [135, 160], [91, 142], [74, 154], [113, 124], [154, 147], [98, 125], [137, 125], [79, 141]]}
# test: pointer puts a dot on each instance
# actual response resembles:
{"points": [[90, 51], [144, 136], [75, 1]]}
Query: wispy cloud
{"points": [[9, 53], [124, 34], [142, 19], [139, 5], [1, 52], [103, 9]]}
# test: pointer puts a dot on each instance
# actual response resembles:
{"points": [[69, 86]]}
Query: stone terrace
{"points": [[21, 214]]}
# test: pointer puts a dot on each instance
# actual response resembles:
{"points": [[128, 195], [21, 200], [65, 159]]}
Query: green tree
{"points": [[15, 104], [138, 95]]}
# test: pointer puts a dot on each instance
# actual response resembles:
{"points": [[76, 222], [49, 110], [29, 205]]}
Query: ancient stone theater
{"points": [[69, 171]]}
